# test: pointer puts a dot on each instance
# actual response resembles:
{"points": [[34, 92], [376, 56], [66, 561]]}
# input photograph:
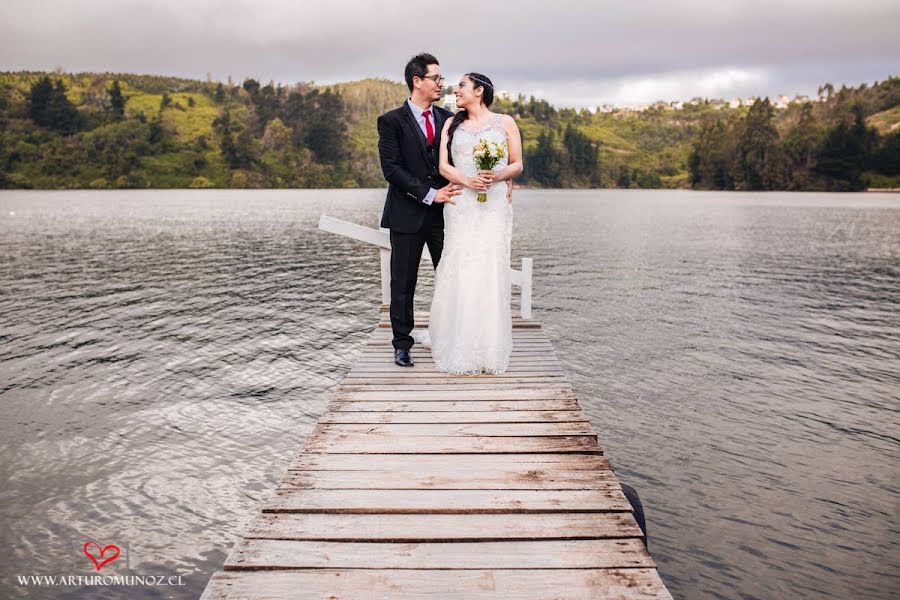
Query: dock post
{"points": [[385, 271], [526, 287]]}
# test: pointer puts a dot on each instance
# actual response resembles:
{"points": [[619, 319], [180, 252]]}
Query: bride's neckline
{"points": [[488, 122]]}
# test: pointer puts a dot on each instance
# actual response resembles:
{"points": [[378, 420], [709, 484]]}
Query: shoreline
{"points": [[895, 190]]}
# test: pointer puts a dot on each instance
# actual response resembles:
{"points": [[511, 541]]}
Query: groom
{"points": [[408, 142]]}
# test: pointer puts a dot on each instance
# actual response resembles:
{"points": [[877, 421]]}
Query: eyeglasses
{"points": [[437, 79]]}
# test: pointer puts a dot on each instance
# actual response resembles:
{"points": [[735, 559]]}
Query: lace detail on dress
{"points": [[470, 325], [492, 123]]}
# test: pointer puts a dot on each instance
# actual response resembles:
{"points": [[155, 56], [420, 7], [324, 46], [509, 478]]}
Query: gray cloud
{"points": [[573, 53]]}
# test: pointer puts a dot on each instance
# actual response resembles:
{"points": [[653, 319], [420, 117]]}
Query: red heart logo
{"points": [[103, 550]]}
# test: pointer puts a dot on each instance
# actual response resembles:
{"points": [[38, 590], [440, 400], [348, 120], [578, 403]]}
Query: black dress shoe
{"points": [[402, 358]]}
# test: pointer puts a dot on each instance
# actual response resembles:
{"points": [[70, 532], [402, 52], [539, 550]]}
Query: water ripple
{"points": [[164, 354]]}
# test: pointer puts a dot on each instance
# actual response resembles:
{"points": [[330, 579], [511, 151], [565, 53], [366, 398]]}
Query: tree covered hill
{"points": [[103, 130], [848, 141]]}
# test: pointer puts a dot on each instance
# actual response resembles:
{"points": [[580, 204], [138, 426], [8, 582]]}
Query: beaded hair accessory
{"points": [[481, 81]]}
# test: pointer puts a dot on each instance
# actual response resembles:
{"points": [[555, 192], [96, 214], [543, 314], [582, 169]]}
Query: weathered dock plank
{"points": [[479, 430], [446, 501], [484, 478], [439, 463], [398, 584], [475, 391], [255, 553], [444, 417], [383, 444], [421, 484], [442, 527]]}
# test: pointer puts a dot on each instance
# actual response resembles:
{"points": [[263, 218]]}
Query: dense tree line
{"points": [[289, 136], [90, 135], [121, 130], [572, 162], [48, 106], [829, 146]]}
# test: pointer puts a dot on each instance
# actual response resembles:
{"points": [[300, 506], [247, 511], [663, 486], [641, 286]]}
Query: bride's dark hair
{"points": [[478, 81]]}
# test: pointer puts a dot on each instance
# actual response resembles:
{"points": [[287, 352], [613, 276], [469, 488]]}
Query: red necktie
{"points": [[429, 130]]}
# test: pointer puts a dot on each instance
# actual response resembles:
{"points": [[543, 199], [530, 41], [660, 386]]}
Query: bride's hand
{"points": [[478, 183], [490, 176]]}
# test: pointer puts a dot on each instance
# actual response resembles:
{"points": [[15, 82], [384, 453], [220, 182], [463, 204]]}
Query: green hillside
{"points": [[886, 121], [61, 130]]}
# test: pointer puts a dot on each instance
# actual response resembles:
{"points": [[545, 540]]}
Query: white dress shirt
{"points": [[419, 114]]}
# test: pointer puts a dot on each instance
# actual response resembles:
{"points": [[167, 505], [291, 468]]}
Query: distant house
{"points": [[448, 101]]}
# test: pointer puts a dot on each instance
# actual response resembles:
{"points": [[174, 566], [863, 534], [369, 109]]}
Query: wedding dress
{"points": [[470, 325]]}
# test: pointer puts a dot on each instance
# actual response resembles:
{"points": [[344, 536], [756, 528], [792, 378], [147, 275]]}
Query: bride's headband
{"points": [[481, 81]]}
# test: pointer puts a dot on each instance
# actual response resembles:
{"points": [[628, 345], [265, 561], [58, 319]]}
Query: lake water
{"points": [[164, 354]]}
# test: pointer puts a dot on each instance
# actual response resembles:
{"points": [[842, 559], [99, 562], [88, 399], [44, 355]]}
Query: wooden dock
{"points": [[418, 484]]}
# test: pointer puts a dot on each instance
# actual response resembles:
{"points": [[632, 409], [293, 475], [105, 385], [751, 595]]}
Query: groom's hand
{"points": [[446, 193], [509, 187]]}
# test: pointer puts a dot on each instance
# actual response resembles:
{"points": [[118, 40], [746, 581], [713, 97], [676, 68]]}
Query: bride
{"points": [[470, 325]]}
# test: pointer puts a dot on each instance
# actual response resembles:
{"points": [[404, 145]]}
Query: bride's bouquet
{"points": [[487, 155]]}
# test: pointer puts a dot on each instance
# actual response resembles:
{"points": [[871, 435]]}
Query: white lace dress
{"points": [[470, 326]]}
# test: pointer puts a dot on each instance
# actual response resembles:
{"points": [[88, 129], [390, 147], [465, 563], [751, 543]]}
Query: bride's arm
{"points": [[514, 139], [451, 173]]}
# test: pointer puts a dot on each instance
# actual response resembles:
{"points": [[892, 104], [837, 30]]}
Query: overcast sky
{"points": [[571, 53]]}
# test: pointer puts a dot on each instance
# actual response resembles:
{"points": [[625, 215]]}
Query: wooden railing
{"points": [[381, 239]]}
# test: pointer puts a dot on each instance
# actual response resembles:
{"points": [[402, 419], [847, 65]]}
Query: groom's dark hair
{"points": [[418, 67]]}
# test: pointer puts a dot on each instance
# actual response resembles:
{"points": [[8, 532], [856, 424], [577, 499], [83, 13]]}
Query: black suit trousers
{"points": [[406, 254]]}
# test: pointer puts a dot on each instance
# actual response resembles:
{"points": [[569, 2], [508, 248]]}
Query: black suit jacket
{"points": [[410, 167]]}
